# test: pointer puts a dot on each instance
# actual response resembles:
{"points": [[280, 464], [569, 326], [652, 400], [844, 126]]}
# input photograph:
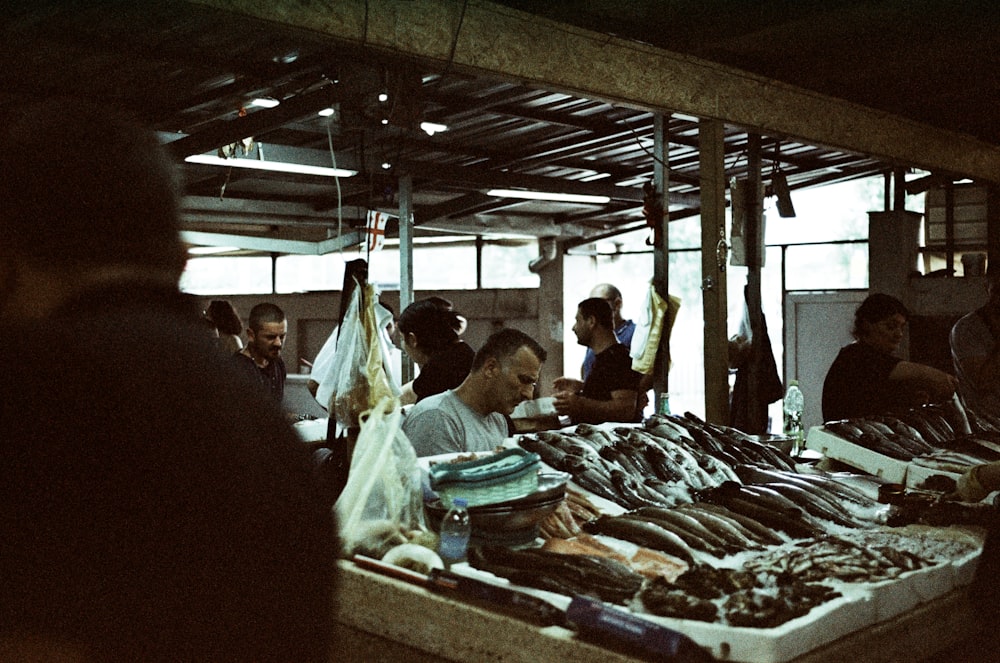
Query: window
{"points": [[227, 276], [309, 273], [505, 265]]}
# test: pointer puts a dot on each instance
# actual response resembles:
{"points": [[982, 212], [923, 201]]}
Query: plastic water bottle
{"points": [[793, 405], [456, 527]]}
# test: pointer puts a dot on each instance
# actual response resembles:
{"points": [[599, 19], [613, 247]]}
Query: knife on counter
{"points": [[511, 601]]}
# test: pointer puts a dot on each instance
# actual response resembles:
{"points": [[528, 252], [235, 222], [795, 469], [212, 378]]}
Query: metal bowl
{"points": [[514, 515]]}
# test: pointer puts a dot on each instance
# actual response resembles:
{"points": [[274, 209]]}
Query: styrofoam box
{"points": [[822, 625], [898, 595], [916, 475], [852, 611], [964, 569], [837, 448]]}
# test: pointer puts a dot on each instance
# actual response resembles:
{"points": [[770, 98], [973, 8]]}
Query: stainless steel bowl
{"points": [[514, 515]]}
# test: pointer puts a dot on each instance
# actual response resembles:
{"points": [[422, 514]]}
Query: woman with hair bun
{"points": [[429, 332], [226, 320], [867, 378]]}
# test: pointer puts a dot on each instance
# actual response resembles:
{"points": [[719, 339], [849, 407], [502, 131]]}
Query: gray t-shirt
{"points": [[442, 423]]}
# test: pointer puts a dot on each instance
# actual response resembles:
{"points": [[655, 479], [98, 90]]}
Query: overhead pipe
{"points": [[548, 248]]}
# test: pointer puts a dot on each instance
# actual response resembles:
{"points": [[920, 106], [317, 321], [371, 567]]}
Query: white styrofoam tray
{"points": [[823, 624], [898, 595], [837, 448], [916, 475]]}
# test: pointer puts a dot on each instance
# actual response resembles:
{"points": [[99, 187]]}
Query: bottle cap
{"points": [[793, 383], [460, 502]]}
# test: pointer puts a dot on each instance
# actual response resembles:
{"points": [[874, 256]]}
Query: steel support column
{"points": [[714, 254]]}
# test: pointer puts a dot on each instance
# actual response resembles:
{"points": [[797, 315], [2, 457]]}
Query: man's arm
{"points": [[940, 386], [621, 407], [984, 370], [406, 394]]}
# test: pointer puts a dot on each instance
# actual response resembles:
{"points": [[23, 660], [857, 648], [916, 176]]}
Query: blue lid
{"points": [[460, 502]]}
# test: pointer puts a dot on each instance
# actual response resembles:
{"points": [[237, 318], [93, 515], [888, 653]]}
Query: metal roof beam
{"points": [[488, 39]]}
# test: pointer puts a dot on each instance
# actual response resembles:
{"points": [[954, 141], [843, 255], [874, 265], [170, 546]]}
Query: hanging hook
{"points": [[721, 250]]}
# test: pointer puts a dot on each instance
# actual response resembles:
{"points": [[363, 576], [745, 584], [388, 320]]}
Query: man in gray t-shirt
{"points": [[473, 416]]}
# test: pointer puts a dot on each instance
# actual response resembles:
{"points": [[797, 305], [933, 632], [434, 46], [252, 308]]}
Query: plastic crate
{"points": [[507, 475]]}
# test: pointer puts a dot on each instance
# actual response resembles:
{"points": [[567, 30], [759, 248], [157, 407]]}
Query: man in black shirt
{"points": [[610, 391], [261, 357]]}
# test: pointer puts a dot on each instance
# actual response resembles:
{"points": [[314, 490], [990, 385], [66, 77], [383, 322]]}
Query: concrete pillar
{"points": [[893, 238], [551, 328]]}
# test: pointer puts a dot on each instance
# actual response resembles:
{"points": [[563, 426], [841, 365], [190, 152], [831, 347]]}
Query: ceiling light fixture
{"points": [[265, 102], [209, 250], [326, 112], [273, 166], [542, 195], [431, 128]]}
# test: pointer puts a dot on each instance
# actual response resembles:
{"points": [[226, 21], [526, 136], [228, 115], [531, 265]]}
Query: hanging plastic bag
{"points": [[657, 314], [381, 505], [357, 379]]}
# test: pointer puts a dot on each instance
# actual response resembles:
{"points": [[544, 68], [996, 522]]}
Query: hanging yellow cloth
{"points": [[658, 315]]}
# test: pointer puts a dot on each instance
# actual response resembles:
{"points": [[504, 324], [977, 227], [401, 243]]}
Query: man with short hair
{"points": [[261, 358], [624, 329], [149, 511], [611, 390], [474, 416]]}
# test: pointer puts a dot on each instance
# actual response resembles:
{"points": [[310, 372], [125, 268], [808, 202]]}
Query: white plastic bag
{"points": [[357, 378], [381, 505]]}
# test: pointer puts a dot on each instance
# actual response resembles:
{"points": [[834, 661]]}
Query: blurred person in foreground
{"points": [[611, 390], [149, 511], [975, 351], [867, 378], [475, 416]]}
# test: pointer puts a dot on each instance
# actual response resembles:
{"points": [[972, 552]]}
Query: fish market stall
{"points": [[676, 533], [380, 619]]}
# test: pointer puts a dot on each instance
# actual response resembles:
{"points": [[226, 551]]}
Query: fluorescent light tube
{"points": [[431, 128], [209, 250], [541, 195], [274, 166], [265, 102]]}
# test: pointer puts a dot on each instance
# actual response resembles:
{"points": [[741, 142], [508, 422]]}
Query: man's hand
{"points": [[969, 488], [567, 384], [567, 403]]}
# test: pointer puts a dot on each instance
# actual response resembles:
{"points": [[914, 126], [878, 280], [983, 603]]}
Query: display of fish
{"points": [[724, 525], [766, 507], [836, 557], [747, 599], [643, 533], [589, 575], [823, 498]]}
